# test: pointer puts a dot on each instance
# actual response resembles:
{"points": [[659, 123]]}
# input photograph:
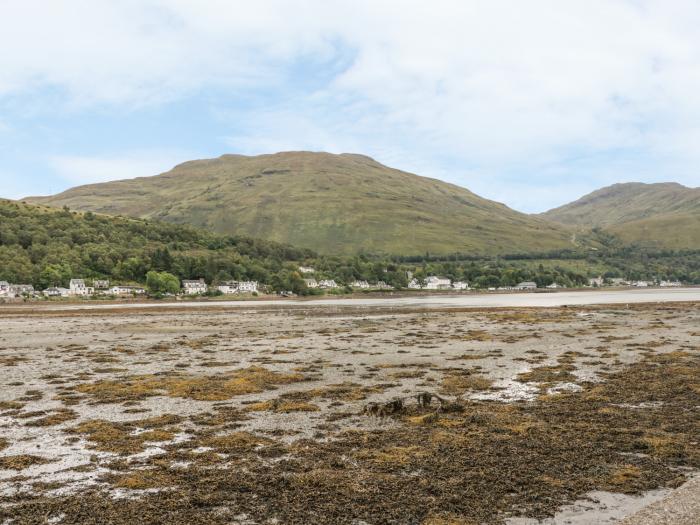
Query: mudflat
{"points": [[345, 413]]}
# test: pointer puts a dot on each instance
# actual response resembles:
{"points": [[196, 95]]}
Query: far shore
{"points": [[428, 299]]}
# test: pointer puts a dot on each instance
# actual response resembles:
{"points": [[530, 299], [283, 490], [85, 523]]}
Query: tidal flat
{"points": [[339, 414]]}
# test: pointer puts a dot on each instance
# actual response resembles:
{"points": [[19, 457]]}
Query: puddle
{"points": [[597, 508]]}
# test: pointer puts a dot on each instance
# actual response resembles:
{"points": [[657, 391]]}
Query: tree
{"points": [[162, 282]]}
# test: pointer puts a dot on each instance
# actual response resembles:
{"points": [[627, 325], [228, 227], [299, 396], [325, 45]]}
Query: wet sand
{"points": [[262, 414]]}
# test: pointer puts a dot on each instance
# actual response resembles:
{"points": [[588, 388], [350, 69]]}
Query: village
{"points": [[102, 288]]}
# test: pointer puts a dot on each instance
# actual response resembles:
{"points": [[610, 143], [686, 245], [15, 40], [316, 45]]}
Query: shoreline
{"points": [[585, 297]]}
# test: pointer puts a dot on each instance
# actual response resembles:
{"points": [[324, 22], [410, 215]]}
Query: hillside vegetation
{"points": [[335, 204], [665, 215], [47, 247]]}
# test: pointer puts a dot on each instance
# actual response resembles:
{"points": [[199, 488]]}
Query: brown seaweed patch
{"points": [[283, 406], [250, 380], [21, 462], [122, 438], [56, 418], [457, 383]]}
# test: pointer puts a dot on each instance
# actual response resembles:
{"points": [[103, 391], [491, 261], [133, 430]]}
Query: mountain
{"points": [[664, 215], [330, 203]]}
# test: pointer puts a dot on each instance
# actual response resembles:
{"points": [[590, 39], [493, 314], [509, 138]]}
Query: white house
{"points": [[248, 286], [460, 285], [526, 285], [311, 283], [228, 287], [438, 283], [127, 290], [360, 284], [381, 285], [18, 290], [4, 288], [414, 284], [619, 281], [667, 284], [100, 284], [79, 289], [641, 284], [56, 292], [554, 286], [595, 282], [306, 269], [327, 283], [194, 287]]}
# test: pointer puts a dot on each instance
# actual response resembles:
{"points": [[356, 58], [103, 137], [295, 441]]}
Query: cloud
{"points": [[491, 94], [79, 170]]}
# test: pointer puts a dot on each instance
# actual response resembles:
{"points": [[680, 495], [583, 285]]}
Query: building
{"points": [[415, 284], [381, 285], [56, 292], [526, 285], [311, 283], [642, 284], [360, 284], [194, 287], [306, 269], [438, 283], [460, 285], [18, 290], [100, 284], [668, 284], [228, 287], [78, 288], [4, 288], [619, 281], [554, 286], [248, 286], [327, 284], [124, 291], [595, 282]]}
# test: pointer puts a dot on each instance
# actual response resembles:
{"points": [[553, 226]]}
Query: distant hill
{"points": [[330, 203], [664, 215]]}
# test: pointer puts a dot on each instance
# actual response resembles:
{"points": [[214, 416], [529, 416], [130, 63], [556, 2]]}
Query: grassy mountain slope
{"points": [[331, 203], [662, 215], [628, 202]]}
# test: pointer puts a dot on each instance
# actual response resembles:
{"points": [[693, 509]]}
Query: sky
{"points": [[528, 103]]}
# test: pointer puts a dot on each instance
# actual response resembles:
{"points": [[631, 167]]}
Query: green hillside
{"points": [[665, 215], [330, 203], [47, 247]]}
